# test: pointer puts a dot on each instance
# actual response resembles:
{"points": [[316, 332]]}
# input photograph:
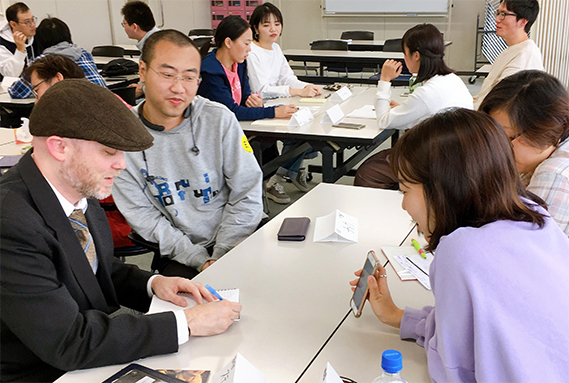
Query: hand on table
{"points": [[309, 90], [254, 101], [212, 318], [138, 91], [390, 70], [285, 111], [167, 288], [380, 298], [20, 40]]}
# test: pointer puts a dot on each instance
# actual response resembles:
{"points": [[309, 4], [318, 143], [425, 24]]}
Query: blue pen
{"points": [[215, 293]]}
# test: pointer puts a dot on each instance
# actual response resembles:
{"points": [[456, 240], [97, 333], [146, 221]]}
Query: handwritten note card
{"points": [[333, 115], [239, 370], [336, 227], [341, 95], [302, 117]]}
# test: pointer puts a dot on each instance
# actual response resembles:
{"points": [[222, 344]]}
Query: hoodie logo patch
{"points": [[246, 145]]}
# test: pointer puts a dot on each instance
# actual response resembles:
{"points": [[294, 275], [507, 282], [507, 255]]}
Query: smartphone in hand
{"points": [[361, 293]]}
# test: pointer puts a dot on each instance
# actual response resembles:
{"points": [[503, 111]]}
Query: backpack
{"points": [[119, 67]]}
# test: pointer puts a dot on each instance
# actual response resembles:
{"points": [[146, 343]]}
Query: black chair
{"points": [[392, 45], [201, 41], [357, 35], [108, 50], [332, 45], [147, 247], [201, 32], [127, 93]]}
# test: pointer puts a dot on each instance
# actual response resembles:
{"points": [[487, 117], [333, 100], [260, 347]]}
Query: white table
{"points": [[326, 139], [294, 294], [8, 146]]}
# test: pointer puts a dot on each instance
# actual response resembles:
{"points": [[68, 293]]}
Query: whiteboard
{"points": [[386, 6]]}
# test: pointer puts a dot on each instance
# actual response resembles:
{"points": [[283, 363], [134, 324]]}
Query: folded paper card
{"points": [[366, 111], [239, 370], [330, 375], [341, 95], [333, 115], [409, 264], [391, 252], [336, 227], [302, 117]]}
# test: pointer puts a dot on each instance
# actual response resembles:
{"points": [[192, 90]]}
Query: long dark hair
{"points": [[465, 162], [261, 14], [537, 105], [428, 41]]}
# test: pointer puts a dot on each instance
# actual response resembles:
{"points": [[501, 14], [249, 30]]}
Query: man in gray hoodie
{"points": [[197, 191]]}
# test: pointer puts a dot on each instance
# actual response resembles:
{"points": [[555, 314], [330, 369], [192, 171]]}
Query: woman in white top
{"points": [[270, 76], [269, 72], [423, 49]]}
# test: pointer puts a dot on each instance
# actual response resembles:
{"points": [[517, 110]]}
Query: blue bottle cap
{"points": [[391, 361]]}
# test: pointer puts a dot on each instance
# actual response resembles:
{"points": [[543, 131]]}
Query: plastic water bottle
{"points": [[391, 363]]}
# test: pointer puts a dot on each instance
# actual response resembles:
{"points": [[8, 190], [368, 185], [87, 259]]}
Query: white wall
{"points": [[91, 20]]}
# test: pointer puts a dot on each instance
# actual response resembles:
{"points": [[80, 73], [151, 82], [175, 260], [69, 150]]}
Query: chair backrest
{"points": [[128, 94], [357, 35], [392, 45], [108, 50], [201, 32], [331, 45], [201, 41]]}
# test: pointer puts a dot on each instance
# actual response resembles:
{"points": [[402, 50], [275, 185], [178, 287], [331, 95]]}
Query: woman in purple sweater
{"points": [[500, 276]]}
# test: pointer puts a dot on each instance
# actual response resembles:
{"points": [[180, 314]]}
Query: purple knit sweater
{"points": [[502, 305]]}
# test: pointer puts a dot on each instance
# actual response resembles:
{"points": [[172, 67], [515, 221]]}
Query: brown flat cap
{"points": [[77, 108]]}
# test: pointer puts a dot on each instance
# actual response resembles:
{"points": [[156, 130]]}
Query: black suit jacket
{"points": [[54, 309]]}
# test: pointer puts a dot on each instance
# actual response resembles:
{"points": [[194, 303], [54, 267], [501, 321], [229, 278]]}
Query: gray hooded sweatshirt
{"points": [[191, 201]]}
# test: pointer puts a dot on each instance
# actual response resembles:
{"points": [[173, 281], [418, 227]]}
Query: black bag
{"points": [[119, 67]]}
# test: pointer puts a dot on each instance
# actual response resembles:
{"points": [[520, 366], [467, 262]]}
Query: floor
{"points": [[143, 261]]}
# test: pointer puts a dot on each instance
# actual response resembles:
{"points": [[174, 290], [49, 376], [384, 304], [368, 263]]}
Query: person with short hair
{"points": [[438, 88], [61, 283], [17, 44], [197, 191], [138, 22], [514, 19], [48, 70], [54, 37], [533, 108], [500, 274]]}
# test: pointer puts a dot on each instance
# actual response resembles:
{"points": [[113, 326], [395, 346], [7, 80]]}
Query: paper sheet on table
{"points": [[159, 306], [239, 370], [312, 100], [8, 81], [336, 227], [411, 263], [271, 122], [366, 111]]}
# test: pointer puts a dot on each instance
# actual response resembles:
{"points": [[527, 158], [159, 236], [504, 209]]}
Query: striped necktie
{"points": [[79, 224]]}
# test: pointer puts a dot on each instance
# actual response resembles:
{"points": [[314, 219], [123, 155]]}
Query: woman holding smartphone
{"points": [[533, 108], [500, 275], [224, 74], [423, 50]]}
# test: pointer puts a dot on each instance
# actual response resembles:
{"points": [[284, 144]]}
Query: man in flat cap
{"points": [[60, 282], [197, 191]]}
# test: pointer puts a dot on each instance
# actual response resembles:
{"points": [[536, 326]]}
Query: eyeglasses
{"points": [[512, 138], [501, 15], [185, 80], [34, 87], [29, 22], [123, 23]]}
